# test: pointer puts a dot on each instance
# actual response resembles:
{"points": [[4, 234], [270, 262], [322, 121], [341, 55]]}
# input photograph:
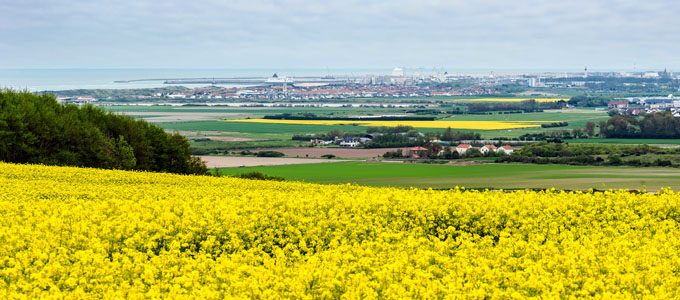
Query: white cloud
{"points": [[351, 33]]}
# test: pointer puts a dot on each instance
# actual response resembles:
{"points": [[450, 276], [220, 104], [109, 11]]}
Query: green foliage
{"points": [[654, 125], [589, 101], [396, 154], [269, 154], [450, 136], [396, 140], [258, 176], [37, 129], [593, 154], [473, 152]]}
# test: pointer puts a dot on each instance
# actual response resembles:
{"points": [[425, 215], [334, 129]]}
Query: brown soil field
{"points": [[339, 152], [237, 161]]}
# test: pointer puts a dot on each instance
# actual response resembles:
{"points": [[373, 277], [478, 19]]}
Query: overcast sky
{"points": [[458, 35]]}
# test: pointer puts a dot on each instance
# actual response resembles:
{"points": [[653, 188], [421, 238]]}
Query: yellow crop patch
{"points": [[479, 125], [85, 233]]}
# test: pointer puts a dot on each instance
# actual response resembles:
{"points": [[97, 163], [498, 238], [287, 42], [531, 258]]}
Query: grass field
{"points": [[628, 141], [493, 176], [244, 127], [575, 118]]}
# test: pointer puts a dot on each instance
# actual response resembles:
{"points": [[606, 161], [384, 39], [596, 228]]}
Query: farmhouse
{"points": [[507, 149], [463, 148], [487, 148], [349, 142], [618, 104], [413, 152]]}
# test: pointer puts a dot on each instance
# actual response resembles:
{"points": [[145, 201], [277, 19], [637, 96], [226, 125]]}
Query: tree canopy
{"points": [[37, 129]]}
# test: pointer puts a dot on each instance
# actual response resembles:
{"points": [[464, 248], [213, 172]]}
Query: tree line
{"points": [[37, 129], [523, 106], [593, 154], [655, 125]]}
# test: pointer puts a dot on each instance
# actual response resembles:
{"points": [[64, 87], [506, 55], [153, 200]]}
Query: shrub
{"points": [[258, 176], [269, 154]]}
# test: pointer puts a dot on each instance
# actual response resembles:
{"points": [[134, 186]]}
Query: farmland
{"points": [[240, 124], [87, 233], [469, 125], [492, 176]]}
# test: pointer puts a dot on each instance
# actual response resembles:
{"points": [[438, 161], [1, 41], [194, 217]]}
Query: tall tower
{"points": [[585, 72]]}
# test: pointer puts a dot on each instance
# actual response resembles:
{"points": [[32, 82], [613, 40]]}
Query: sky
{"points": [[498, 35]]}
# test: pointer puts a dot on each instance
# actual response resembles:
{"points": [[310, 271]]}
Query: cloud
{"points": [[351, 33]]}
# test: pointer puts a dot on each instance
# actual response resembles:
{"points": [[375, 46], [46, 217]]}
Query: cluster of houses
{"points": [[350, 142], [462, 149], [354, 142], [637, 105]]}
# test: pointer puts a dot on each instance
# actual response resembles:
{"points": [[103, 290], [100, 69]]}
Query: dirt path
{"points": [[237, 161]]}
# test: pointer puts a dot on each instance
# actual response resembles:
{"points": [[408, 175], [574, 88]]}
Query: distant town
{"points": [[630, 92]]}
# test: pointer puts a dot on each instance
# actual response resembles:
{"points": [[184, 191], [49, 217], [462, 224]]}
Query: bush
{"points": [[258, 176], [329, 156], [614, 160], [663, 162], [269, 154]]}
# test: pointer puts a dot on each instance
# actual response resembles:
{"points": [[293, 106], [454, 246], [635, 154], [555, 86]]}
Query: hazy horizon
{"points": [[459, 36]]}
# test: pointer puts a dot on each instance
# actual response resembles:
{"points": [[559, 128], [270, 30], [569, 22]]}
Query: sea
{"points": [[36, 80]]}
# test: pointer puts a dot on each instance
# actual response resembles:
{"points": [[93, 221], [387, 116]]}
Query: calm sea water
{"points": [[69, 79]]}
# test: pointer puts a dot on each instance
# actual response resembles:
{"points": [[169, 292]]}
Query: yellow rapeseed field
{"points": [[71, 233], [479, 125]]}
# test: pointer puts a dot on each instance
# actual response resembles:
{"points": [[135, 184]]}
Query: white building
{"points": [[463, 148], [487, 148], [349, 143], [507, 149]]}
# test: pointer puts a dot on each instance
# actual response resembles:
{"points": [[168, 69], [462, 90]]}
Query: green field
{"points": [[575, 118], [628, 141], [243, 127], [492, 176]]}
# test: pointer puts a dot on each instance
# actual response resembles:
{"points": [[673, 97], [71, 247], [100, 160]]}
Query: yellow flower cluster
{"points": [[73, 233], [479, 125]]}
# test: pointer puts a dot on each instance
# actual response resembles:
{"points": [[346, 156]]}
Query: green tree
{"points": [[590, 128]]}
